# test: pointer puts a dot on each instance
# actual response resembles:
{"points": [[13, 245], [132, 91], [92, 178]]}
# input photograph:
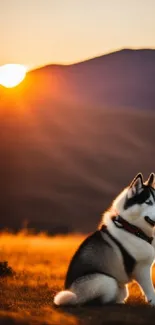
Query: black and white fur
{"points": [[108, 260]]}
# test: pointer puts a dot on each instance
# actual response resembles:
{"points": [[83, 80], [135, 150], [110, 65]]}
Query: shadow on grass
{"points": [[85, 315], [10, 320], [112, 314]]}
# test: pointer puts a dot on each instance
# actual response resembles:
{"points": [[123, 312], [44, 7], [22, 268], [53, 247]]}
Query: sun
{"points": [[12, 74]]}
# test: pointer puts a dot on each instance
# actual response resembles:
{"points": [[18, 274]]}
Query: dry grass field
{"points": [[40, 264]]}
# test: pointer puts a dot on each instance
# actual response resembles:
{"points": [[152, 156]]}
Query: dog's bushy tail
{"points": [[65, 297]]}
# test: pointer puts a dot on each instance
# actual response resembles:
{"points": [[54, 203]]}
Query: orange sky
{"points": [[38, 32]]}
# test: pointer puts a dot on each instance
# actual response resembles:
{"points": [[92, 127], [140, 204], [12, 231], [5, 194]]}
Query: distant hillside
{"points": [[71, 138], [121, 79]]}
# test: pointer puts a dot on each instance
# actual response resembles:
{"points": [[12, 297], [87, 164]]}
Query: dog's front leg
{"points": [[142, 274]]}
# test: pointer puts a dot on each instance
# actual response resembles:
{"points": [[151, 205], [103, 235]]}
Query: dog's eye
{"points": [[149, 202]]}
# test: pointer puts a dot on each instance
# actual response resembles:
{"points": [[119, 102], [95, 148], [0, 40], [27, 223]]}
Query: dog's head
{"points": [[137, 202]]}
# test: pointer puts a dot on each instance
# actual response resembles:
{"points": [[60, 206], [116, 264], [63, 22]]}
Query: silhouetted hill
{"points": [[71, 138], [121, 79]]}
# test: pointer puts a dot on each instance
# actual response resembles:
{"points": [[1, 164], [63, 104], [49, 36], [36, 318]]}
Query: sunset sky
{"points": [[38, 32]]}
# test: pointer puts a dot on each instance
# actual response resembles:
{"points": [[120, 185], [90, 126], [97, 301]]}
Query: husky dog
{"points": [[118, 252]]}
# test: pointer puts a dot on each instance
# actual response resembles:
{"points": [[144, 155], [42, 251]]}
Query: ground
{"points": [[40, 264]]}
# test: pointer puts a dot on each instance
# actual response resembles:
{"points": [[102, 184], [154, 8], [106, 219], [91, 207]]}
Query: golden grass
{"points": [[40, 263]]}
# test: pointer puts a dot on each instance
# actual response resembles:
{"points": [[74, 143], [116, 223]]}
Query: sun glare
{"points": [[12, 74]]}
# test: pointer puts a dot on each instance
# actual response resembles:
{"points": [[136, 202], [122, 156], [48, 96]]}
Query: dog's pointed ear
{"points": [[137, 184], [151, 180]]}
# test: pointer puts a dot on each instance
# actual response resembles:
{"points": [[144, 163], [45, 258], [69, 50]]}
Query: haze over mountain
{"points": [[72, 137]]}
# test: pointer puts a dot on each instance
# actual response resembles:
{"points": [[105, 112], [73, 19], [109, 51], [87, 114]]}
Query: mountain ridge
{"points": [[123, 50]]}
